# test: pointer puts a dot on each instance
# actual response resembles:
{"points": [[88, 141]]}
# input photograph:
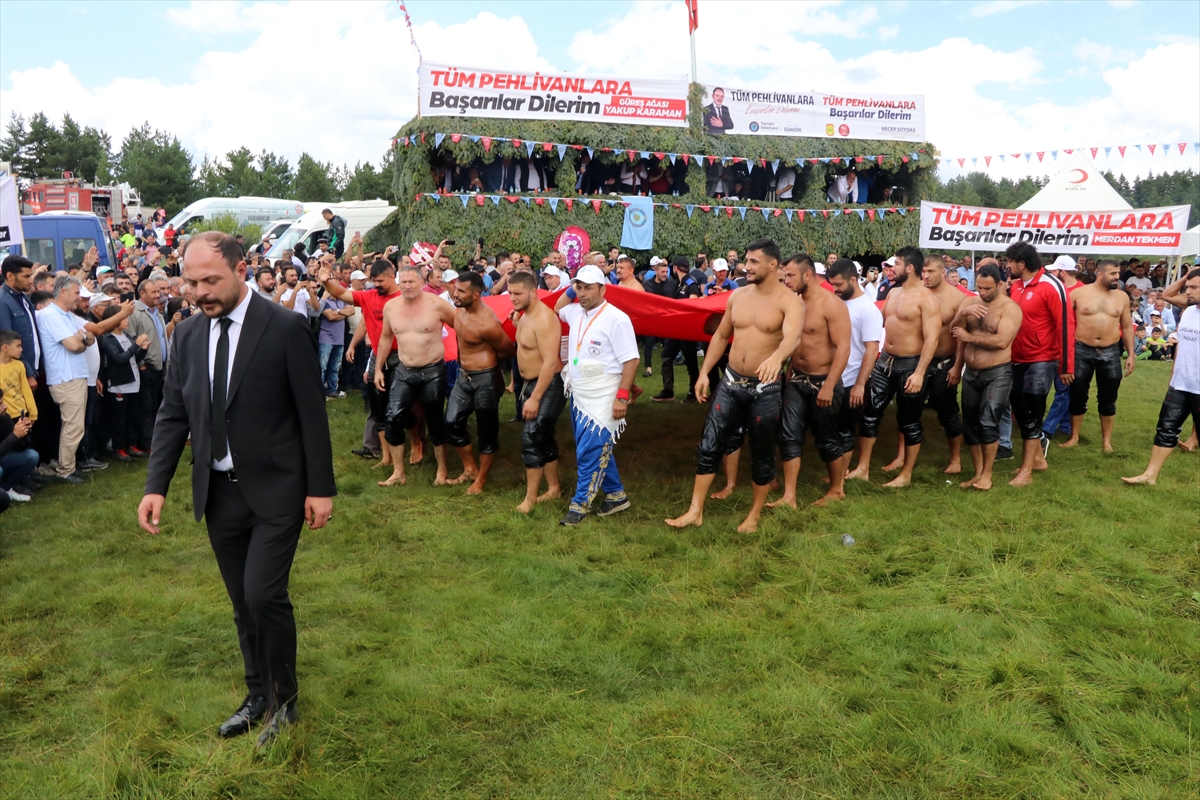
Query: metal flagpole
{"points": [[693, 23]]}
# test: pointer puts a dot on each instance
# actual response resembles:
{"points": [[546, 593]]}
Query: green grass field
{"points": [[1022, 643]]}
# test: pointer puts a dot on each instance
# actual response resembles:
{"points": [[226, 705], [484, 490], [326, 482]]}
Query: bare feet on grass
{"points": [[749, 524], [859, 473], [693, 517], [898, 482], [395, 479], [1024, 478], [895, 464], [953, 468], [724, 493], [786, 500], [829, 497], [549, 494], [1072, 442], [1138, 480], [416, 452], [466, 476]]}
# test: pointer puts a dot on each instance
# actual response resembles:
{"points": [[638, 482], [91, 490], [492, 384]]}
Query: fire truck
{"points": [[72, 194]]}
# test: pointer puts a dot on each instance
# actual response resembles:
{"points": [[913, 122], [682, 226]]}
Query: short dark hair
{"points": [[326, 210], [14, 264], [40, 296], [803, 260], [379, 266], [1106, 262], [912, 256], [989, 271], [231, 252], [263, 271], [765, 246], [1026, 253], [522, 278], [681, 262], [473, 280], [292, 267], [112, 311], [147, 284], [8, 337], [842, 268], [1192, 275]]}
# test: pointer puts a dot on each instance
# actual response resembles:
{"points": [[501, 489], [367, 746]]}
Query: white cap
{"points": [[720, 265], [358, 275], [590, 273], [891, 262], [84, 293], [103, 270], [449, 275], [655, 261], [552, 270], [820, 268], [1063, 262]]}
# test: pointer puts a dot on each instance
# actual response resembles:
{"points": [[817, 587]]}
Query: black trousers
{"points": [[985, 401], [255, 559], [672, 348], [1177, 406], [740, 404], [120, 419], [1031, 383], [539, 446], [478, 392], [801, 413], [411, 386], [942, 397], [149, 399], [1105, 364], [887, 381]]}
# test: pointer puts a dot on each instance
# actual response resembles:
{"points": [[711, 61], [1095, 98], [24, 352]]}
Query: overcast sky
{"points": [[338, 79]]}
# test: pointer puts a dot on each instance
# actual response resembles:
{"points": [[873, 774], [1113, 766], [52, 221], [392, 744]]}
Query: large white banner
{"points": [[454, 90], [11, 232], [830, 116], [1139, 231]]}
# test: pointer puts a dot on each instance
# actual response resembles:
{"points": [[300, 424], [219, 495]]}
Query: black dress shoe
{"points": [[251, 711], [286, 715]]}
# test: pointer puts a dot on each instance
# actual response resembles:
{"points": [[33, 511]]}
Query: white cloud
{"points": [[1001, 6], [888, 32], [1122, 3], [342, 104]]}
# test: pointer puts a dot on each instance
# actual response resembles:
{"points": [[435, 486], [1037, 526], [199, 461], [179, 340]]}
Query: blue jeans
{"points": [[1058, 418], [331, 364], [15, 467]]}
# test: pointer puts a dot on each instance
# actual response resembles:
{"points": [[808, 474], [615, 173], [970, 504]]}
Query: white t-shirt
{"points": [[785, 180], [604, 334], [301, 306], [1186, 377], [866, 325], [1145, 284], [93, 359]]}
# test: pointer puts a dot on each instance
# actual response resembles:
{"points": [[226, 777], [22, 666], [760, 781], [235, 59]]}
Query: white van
{"points": [[247, 210], [360, 216]]}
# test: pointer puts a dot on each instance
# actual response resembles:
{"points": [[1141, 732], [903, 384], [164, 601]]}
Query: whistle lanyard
{"points": [[583, 334]]}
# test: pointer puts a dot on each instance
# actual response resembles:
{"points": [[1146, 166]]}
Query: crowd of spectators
{"points": [[83, 350], [741, 180]]}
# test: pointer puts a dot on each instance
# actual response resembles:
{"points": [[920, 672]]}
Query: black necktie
{"points": [[220, 383]]}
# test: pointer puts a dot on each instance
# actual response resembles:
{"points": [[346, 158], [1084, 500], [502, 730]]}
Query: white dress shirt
{"points": [[238, 316]]}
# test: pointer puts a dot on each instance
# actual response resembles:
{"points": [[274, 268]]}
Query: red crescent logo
{"points": [[1083, 176]]}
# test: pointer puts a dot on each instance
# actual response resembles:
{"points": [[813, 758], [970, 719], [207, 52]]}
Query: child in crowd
{"points": [[119, 373], [1157, 345], [1139, 343], [14, 385], [41, 299]]}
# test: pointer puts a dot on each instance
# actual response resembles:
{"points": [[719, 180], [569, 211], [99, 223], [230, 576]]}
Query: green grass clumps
{"points": [[1034, 643]]}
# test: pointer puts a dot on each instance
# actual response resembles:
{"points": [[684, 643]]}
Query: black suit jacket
{"points": [[726, 120], [275, 413]]}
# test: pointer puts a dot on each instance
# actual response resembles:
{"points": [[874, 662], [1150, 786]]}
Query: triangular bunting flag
{"points": [[1041, 155], [789, 211], [529, 149], [422, 137], [706, 209], [1054, 154], [596, 206], [1151, 146], [825, 212], [672, 156], [611, 203], [1002, 158], [437, 198], [1107, 151], [858, 159], [527, 199], [590, 152], [824, 160], [474, 139], [570, 204], [515, 142], [1121, 150], [903, 213], [486, 141], [712, 160], [407, 141], [1026, 157], [878, 159], [541, 201], [987, 160], [495, 198], [848, 211], [660, 156], [510, 198], [464, 199], [689, 210], [882, 211], [871, 214], [916, 157], [1139, 147], [729, 212], [645, 154], [683, 157], [632, 155], [553, 205], [766, 213], [1182, 147], [861, 213], [775, 165], [455, 137], [1015, 155], [974, 161], [1068, 152], [478, 199], [1166, 148], [777, 212], [1094, 151], [960, 161], [562, 151], [547, 147]]}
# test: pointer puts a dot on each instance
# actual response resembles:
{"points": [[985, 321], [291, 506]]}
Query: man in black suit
{"points": [[244, 382], [716, 114]]}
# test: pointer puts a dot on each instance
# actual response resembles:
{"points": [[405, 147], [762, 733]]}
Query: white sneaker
{"points": [[17, 497]]}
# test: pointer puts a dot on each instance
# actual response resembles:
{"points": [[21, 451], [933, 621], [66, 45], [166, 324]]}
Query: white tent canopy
{"points": [[1079, 187], [1191, 242]]}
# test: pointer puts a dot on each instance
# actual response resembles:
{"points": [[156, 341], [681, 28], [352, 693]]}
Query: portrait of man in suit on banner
{"points": [[716, 114]]}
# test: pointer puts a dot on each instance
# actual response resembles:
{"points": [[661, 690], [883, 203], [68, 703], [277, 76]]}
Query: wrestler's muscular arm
{"points": [[1127, 334], [838, 320], [716, 349], [385, 347], [494, 335], [931, 329]]}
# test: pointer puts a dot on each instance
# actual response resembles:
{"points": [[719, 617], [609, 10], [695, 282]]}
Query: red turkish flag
{"points": [[454, 137], [693, 7], [486, 141], [478, 199], [596, 205], [570, 203]]}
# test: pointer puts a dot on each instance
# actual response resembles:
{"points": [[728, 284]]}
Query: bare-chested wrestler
{"points": [[813, 396], [1102, 322], [946, 369], [764, 318], [912, 320], [539, 360], [482, 343], [414, 320], [984, 328], [625, 277]]}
